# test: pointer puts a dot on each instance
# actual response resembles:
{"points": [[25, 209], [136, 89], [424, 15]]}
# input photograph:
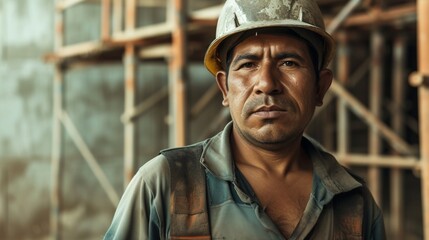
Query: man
{"points": [[260, 178]]}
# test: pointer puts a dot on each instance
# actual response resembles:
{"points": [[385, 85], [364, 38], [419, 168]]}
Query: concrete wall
{"points": [[94, 99], [25, 122]]}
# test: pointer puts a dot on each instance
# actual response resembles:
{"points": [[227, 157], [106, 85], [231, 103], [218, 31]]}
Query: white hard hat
{"points": [[240, 16]]}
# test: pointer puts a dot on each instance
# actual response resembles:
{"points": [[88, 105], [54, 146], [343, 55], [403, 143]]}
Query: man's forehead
{"points": [[280, 42]]}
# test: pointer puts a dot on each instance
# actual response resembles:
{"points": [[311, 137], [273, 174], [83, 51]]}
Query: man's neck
{"points": [[278, 161]]}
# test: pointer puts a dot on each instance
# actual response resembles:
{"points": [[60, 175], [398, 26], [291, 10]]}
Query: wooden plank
{"points": [[423, 67], [130, 127], [64, 4], [342, 15], [151, 3], [118, 14], [155, 52], [361, 111], [343, 69], [85, 48], [145, 105], [379, 16], [105, 20], [89, 158], [57, 131], [205, 99], [375, 100], [398, 124], [130, 15], [210, 13], [379, 161], [139, 34], [56, 159], [178, 74]]}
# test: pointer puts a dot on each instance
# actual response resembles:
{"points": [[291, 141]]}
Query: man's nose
{"points": [[268, 81]]}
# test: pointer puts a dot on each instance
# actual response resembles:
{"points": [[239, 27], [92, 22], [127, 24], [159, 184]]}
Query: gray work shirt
{"points": [[143, 212]]}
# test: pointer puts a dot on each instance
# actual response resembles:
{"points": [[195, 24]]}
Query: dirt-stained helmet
{"points": [[240, 16]]}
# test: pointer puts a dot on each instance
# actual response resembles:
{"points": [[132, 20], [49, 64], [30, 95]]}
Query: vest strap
{"points": [[188, 200], [348, 215], [188, 204]]}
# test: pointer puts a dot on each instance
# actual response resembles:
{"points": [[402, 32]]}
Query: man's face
{"points": [[272, 89]]}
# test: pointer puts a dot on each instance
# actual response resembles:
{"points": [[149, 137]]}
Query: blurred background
{"points": [[92, 89]]}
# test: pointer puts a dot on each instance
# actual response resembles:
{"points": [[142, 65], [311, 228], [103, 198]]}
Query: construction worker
{"points": [[259, 178]]}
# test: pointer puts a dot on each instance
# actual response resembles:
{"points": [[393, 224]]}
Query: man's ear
{"points": [[222, 83], [325, 80]]}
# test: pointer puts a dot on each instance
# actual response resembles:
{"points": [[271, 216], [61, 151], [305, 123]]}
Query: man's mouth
{"points": [[272, 111]]}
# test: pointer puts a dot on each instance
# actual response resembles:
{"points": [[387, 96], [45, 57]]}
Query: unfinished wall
{"points": [[25, 122], [94, 99], [26, 34]]}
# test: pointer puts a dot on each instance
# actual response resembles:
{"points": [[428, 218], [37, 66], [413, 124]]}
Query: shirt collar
{"points": [[217, 158], [334, 176]]}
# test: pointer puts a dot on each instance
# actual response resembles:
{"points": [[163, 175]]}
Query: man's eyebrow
{"points": [[247, 56], [284, 55]]}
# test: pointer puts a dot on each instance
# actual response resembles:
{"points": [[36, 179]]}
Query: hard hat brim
{"points": [[213, 63]]}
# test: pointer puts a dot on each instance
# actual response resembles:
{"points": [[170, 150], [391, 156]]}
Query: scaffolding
{"points": [[122, 40]]}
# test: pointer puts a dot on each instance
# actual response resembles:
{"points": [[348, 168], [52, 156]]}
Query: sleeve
{"points": [[143, 211], [374, 221], [378, 231]]}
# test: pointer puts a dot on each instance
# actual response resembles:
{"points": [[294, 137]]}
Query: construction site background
{"points": [[382, 47]]}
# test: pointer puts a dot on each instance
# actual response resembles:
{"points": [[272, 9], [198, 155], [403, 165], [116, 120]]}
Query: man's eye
{"points": [[289, 63], [247, 65]]}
